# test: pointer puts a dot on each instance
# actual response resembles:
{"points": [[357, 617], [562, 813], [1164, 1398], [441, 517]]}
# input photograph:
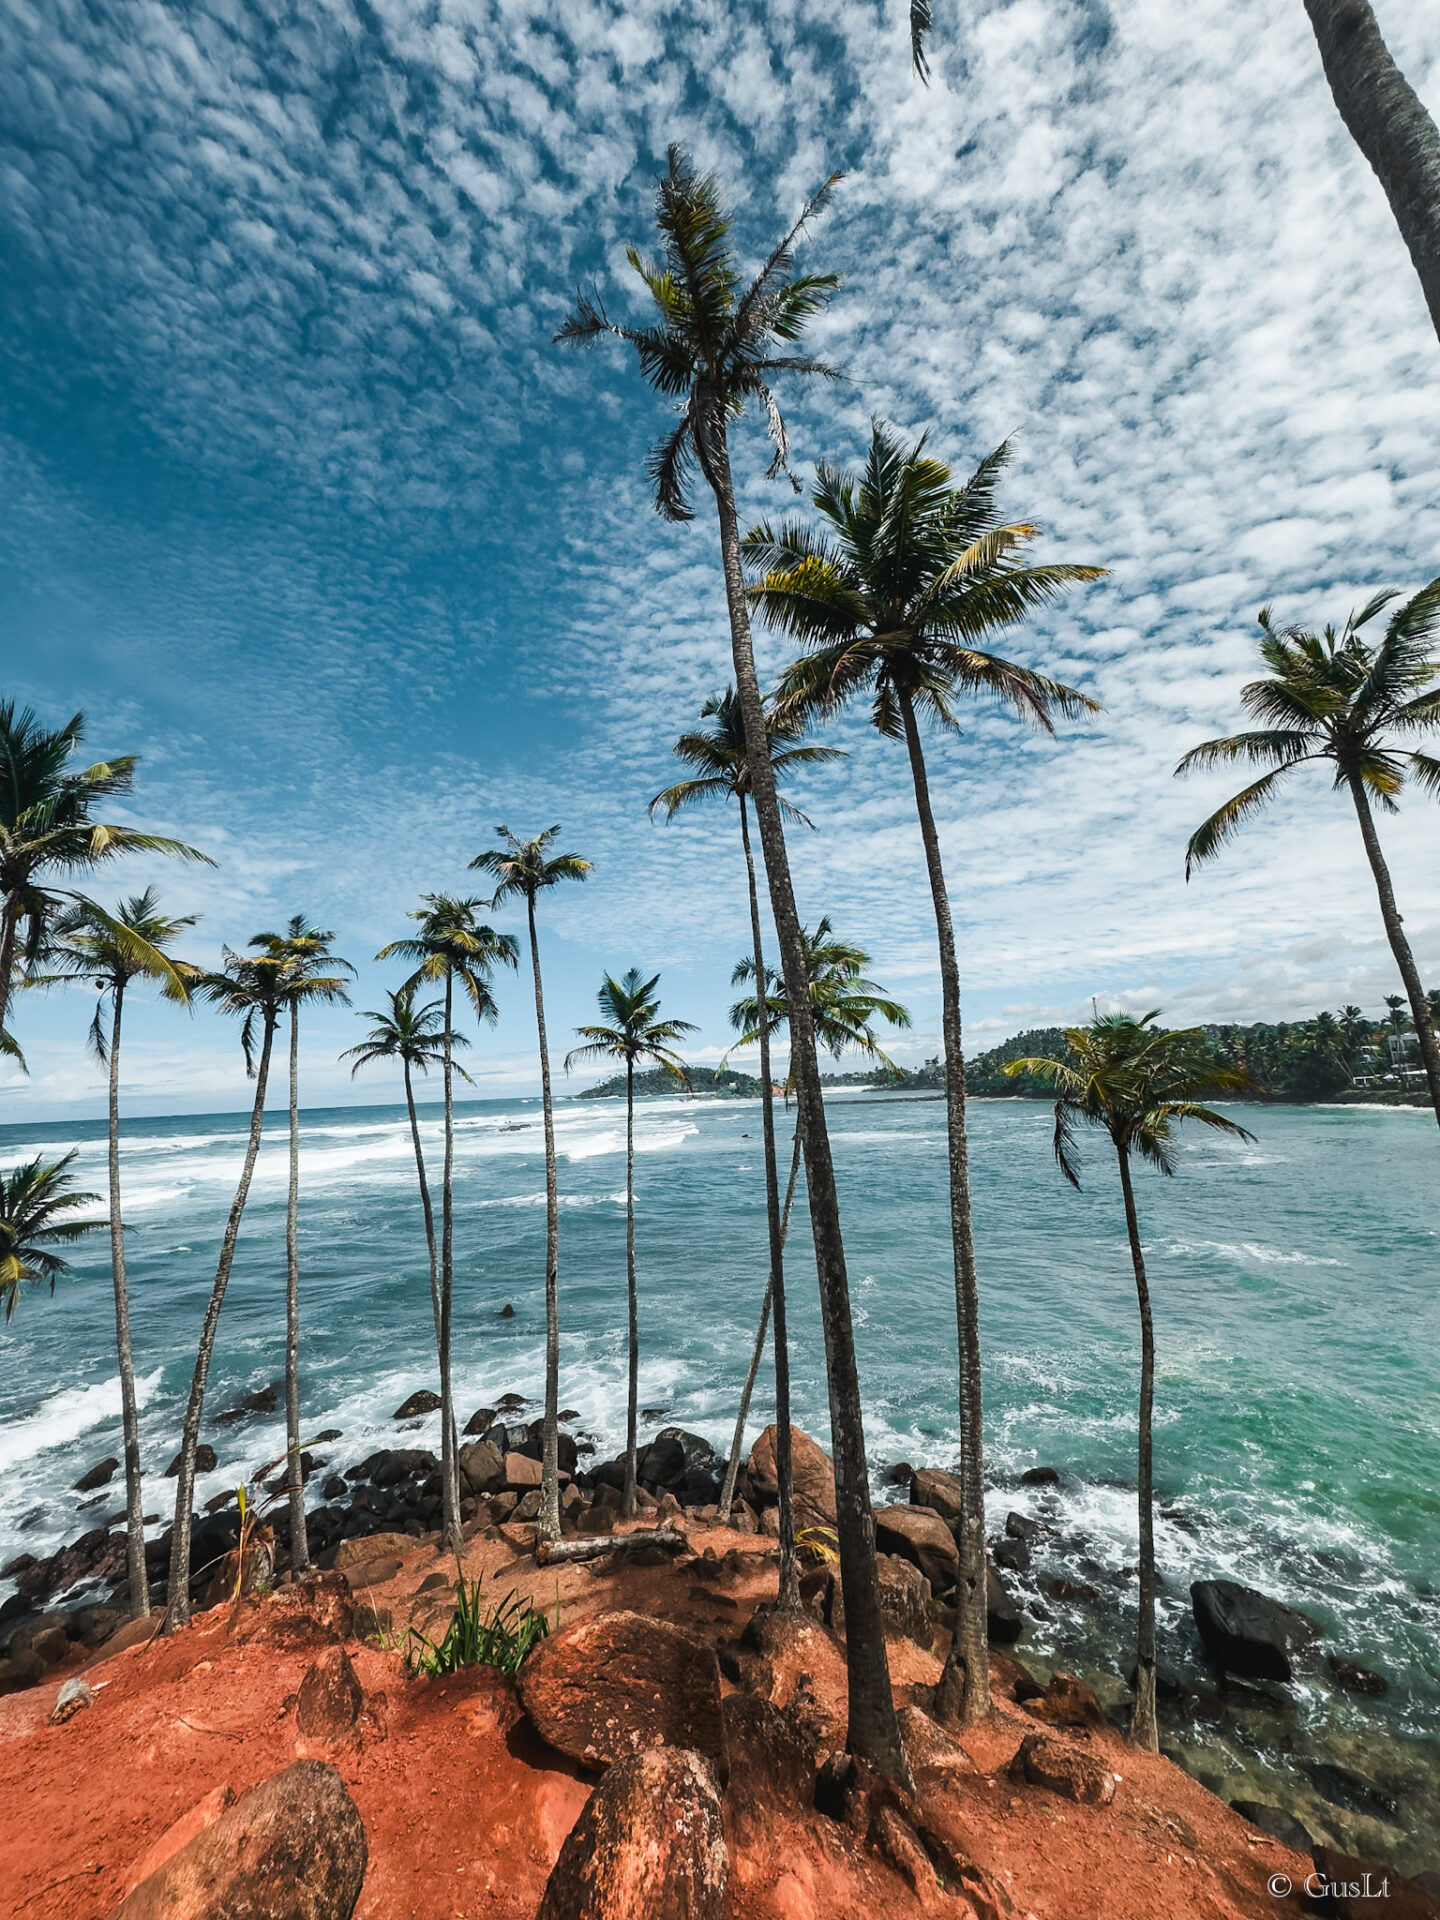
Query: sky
{"points": [[302, 505]]}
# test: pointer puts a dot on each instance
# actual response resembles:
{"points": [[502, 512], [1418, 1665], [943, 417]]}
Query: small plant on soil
{"points": [[819, 1545], [479, 1637]]}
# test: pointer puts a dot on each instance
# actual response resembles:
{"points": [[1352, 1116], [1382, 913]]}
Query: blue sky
{"points": [[301, 504]]}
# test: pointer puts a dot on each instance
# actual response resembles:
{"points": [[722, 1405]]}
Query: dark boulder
{"points": [[1064, 1769], [1354, 1888], [205, 1461], [479, 1421], [98, 1476], [292, 1848], [1040, 1477], [1013, 1555], [1003, 1619], [662, 1463], [1275, 1821], [265, 1401], [510, 1402], [1353, 1678], [402, 1463], [421, 1401], [649, 1845], [507, 1312], [940, 1491], [1246, 1632]]}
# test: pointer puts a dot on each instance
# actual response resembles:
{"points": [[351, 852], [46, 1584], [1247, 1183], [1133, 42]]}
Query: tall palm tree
{"points": [[452, 946], [415, 1036], [635, 1034], [85, 948], [36, 1200], [1137, 1084], [844, 1006], [1339, 698], [303, 953], [718, 755], [715, 346], [50, 830], [522, 869], [896, 599], [251, 987], [1388, 122]]}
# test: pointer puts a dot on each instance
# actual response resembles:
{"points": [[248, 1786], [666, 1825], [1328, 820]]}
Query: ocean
{"points": [[1295, 1292]]}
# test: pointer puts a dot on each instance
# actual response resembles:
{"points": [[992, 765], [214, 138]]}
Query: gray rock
{"points": [[1246, 1632], [98, 1476], [1275, 1821]]}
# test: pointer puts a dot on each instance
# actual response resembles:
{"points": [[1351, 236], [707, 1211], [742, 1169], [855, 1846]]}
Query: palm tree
{"points": [[522, 868], [250, 986], [452, 945], [1336, 697], [636, 1033], [1138, 1084], [415, 1036], [1389, 124], [843, 1005], [86, 949], [303, 952], [49, 830], [712, 349], [896, 599], [36, 1199], [718, 755]]}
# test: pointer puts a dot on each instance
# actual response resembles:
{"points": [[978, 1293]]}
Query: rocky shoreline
{"points": [[1256, 1704]]}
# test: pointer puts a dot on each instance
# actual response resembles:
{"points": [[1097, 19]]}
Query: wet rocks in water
{"points": [[480, 1421], [1275, 1821], [205, 1461], [1004, 1621], [649, 1845], [98, 1476], [1342, 1788], [653, 1413], [265, 1401], [1353, 1678], [510, 1403], [293, 1847], [940, 1491], [507, 1312], [1013, 1555], [617, 1684], [421, 1401], [1040, 1477], [567, 1414], [1246, 1632]]}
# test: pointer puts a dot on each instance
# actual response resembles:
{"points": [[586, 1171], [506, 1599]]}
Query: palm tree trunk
{"points": [[732, 1468], [429, 1211], [7, 958], [966, 1682], [134, 1498], [449, 1471], [299, 1546], [178, 1607], [1389, 124], [1399, 945], [1144, 1728], [632, 1401], [873, 1731], [548, 1526], [788, 1595]]}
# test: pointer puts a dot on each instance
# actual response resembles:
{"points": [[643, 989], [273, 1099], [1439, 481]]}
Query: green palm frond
{"points": [[36, 1200]]}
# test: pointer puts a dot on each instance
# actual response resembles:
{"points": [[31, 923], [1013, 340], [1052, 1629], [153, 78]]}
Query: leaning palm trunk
{"points": [[7, 958], [1399, 945], [965, 1685], [548, 1525], [632, 1399], [134, 1500], [1144, 1728], [178, 1606], [429, 1211], [299, 1545], [873, 1731], [1389, 124], [449, 1471], [788, 1595], [737, 1446]]}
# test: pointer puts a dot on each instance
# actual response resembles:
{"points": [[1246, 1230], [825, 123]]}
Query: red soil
{"points": [[465, 1809]]}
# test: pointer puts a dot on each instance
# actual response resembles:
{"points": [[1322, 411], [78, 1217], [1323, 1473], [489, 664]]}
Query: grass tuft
{"points": [[501, 1637]]}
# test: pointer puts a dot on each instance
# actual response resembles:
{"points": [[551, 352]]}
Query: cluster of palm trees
{"points": [[893, 591]]}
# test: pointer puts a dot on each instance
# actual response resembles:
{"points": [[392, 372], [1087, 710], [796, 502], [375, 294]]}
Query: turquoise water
{"points": [[1298, 1320]]}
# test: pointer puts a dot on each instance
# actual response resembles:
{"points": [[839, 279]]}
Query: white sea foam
{"points": [[1252, 1250], [66, 1415]]}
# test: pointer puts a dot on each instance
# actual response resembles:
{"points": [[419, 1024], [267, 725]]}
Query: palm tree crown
{"points": [[251, 986], [452, 941], [36, 1200], [1137, 1082], [635, 1032], [522, 868], [1333, 696], [898, 595], [414, 1035], [86, 946], [302, 953], [843, 1003], [715, 344], [718, 755]]}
